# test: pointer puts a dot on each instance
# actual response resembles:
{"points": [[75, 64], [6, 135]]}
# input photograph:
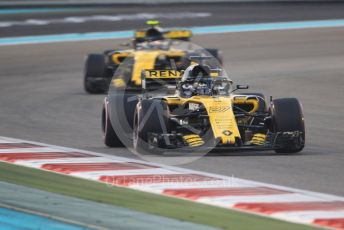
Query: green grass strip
{"points": [[140, 201]]}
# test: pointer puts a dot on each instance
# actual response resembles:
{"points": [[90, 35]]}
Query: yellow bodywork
{"points": [[144, 60], [258, 139], [243, 100], [193, 140], [178, 34], [172, 34], [220, 114]]}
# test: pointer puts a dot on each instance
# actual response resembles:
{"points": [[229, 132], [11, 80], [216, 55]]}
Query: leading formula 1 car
{"points": [[206, 114], [124, 94], [156, 45]]}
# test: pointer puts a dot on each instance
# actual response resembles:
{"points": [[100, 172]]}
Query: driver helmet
{"points": [[197, 80], [154, 34]]}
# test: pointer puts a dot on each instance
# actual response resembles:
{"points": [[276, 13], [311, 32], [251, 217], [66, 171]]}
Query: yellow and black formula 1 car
{"points": [[126, 88], [205, 113], [153, 48]]}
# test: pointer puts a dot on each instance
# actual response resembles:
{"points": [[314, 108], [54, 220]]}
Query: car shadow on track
{"points": [[306, 151], [240, 153]]}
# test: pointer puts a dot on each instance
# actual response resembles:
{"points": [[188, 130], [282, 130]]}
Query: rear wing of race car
{"points": [[177, 34], [158, 79]]}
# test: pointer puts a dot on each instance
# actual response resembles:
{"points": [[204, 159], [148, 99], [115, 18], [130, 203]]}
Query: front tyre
{"points": [[287, 116], [94, 74], [110, 137], [151, 117]]}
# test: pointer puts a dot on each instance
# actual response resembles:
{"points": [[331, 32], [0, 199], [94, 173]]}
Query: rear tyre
{"points": [[110, 137], [94, 74], [287, 116], [151, 116]]}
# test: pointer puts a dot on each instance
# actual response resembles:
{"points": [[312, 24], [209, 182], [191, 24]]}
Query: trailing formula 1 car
{"points": [[155, 32], [206, 114], [157, 46]]}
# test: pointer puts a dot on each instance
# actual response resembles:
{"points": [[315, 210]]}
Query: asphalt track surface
{"points": [[221, 14], [42, 99]]}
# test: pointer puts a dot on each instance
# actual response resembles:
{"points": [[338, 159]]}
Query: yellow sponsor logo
{"points": [[214, 74], [162, 74]]}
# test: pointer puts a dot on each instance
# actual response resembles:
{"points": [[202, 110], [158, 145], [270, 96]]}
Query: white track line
{"points": [[31, 150], [163, 172], [40, 163], [203, 184], [104, 18], [228, 179], [232, 200], [96, 174], [309, 216]]}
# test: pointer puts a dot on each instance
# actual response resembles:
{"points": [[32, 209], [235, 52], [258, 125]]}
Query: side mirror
{"points": [[242, 87]]}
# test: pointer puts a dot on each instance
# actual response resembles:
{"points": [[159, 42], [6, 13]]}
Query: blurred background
{"points": [[280, 48], [42, 96]]}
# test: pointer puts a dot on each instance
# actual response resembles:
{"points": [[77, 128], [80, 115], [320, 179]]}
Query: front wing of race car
{"points": [[194, 142]]}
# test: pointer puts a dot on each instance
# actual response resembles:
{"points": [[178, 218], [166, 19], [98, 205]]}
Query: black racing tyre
{"points": [[216, 53], [110, 137], [262, 103], [287, 116], [95, 68], [122, 106], [120, 111], [151, 116]]}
